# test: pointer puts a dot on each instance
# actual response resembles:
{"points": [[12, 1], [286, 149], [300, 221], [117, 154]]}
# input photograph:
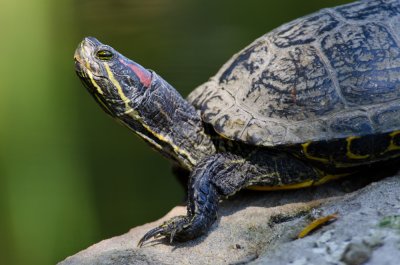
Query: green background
{"points": [[69, 175]]}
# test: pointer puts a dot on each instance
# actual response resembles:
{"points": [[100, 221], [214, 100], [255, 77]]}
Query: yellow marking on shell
{"points": [[304, 184], [329, 177], [301, 185], [392, 146], [316, 224], [349, 153], [305, 151]]}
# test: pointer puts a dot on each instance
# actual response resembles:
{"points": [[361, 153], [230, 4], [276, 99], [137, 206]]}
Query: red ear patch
{"points": [[143, 74]]}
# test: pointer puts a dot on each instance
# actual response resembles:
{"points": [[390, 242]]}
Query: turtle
{"points": [[313, 100]]}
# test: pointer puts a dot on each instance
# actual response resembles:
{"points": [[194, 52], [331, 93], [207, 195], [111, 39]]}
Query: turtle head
{"points": [[144, 102], [115, 82]]}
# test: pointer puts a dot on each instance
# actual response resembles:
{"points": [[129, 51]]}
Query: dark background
{"points": [[69, 175]]}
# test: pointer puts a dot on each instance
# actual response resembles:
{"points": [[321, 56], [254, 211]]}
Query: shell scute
{"points": [[257, 132], [366, 60], [328, 76], [369, 10], [305, 30]]}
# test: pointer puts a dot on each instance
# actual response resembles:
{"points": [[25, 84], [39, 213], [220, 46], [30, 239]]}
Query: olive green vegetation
{"points": [[69, 175], [391, 221]]}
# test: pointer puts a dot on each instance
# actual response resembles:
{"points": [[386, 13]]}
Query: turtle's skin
{"points": [[315, 99]]}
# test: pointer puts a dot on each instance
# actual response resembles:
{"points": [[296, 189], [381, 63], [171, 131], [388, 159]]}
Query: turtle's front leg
{"points": [[222, 175], [203, 196]]}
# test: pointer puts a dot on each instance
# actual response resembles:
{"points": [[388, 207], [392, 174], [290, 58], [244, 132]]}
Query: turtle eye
{"points": [[104, 55]]}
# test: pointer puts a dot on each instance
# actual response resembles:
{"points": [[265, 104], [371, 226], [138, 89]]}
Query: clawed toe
{"points": [[168, 229], [155, 232]]}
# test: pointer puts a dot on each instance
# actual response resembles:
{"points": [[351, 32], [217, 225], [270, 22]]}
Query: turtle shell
{"points": [[330, 75]]}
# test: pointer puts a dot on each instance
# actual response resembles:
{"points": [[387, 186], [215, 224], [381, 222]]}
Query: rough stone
{"points": [[262, 228]]}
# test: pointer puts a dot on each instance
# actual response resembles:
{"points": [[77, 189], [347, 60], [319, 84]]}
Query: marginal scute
{"points": [[200, 94], [369, 10], [359, 147], [231, 122], [386, 118], [312, 131], [215, 104], [303, 30], [350, 123], [267, 133]]}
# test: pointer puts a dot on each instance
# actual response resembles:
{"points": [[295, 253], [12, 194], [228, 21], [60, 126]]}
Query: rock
{"points": [[262, 228]]}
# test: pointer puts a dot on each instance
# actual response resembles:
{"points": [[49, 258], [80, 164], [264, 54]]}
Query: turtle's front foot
{"points": [[171, 228], [202, 206]]}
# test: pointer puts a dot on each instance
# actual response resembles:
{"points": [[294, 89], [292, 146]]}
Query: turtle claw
{"points": [[155, 232], [169, 229]]}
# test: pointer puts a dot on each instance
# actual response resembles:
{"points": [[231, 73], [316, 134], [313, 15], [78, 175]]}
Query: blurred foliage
{"points": [[69, 175]]}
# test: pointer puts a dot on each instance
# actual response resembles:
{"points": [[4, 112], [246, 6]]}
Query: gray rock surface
{"points": [[262, 227]]}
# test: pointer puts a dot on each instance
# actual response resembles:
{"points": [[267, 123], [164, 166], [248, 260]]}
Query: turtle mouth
{"points": [[79, 68], [82, 67], [84, 75]]}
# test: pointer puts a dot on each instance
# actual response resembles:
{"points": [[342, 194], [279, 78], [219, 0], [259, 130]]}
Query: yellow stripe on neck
{"points": [[118, 86], [91, 77], [129, 111], [135, 115]]}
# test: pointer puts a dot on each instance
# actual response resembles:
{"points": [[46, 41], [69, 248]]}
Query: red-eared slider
{"points": [[315, 99]]}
